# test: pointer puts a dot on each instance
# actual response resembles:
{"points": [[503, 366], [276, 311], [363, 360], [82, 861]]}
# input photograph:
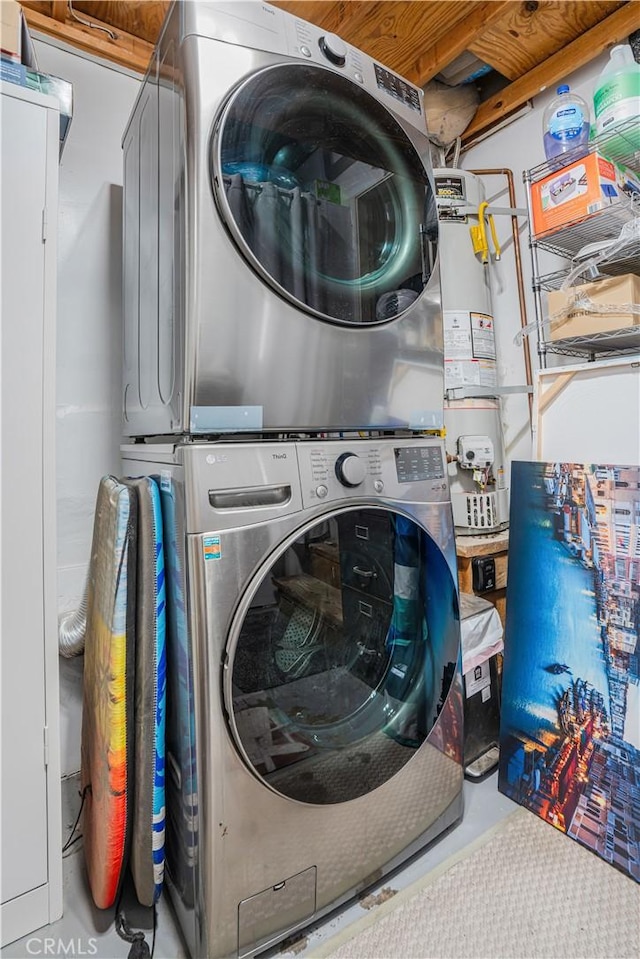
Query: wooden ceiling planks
{"points": [[392, 32], [604, 35], [531, 32], [445, 50], [533, 43]]}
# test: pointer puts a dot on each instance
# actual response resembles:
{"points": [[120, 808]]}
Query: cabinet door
{"points": [[24, 794]]}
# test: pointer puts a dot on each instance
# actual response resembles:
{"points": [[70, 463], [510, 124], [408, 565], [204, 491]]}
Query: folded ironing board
{"points": [[106, 753], [123, 726], [148, 828]]}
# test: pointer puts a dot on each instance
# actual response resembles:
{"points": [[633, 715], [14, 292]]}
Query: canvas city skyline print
{"points": [[570, 716]]}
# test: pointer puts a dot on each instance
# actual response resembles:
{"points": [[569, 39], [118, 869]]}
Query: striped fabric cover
{"points": [[106, 754], [148, 828], [181, 782]]}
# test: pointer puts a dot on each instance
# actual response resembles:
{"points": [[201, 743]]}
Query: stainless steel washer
{"points": [[314, 695], [280, 242]]}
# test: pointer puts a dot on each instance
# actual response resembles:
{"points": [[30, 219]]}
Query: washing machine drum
{"points": [[324, 193], [343, 662]]}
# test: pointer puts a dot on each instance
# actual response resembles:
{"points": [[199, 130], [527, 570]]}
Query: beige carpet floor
{"points": [[522, 891]]}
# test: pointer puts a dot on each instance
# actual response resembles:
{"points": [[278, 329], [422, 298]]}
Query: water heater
{"points": [[472, 415]]}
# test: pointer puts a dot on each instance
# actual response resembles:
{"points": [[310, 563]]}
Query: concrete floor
{"points": [[87, 931]]}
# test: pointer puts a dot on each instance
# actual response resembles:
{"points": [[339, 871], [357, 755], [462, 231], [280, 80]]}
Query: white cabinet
{"points": [[31, 859]]}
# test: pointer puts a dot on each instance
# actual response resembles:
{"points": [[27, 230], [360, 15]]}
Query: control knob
{"points": [[334, 49], [350, 469]]}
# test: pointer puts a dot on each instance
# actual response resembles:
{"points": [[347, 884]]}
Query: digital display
{"points": [[397, 87], [416, 463]]}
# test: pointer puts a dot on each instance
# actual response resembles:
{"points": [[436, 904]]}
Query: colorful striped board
{"points": [[148, 827], [107, 754]]}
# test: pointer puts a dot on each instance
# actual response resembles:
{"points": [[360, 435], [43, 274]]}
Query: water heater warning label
{"points": [[469, 373], [469, 349]]}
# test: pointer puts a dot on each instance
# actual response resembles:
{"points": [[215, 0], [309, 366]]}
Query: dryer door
{"points": [[342, 655], [325, 194]]}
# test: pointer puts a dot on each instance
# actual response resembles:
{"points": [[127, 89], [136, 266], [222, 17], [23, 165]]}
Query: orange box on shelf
{"points": [[577, 190], [614, 296]]}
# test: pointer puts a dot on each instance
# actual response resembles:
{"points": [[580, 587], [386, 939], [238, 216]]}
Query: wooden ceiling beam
{"points": [[139, 18], [126, 50], [614, 29], [390, 31], [59, 10], [445, 50], [328, 16], [531, 32]]}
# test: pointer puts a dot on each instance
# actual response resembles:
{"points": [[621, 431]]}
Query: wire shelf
{"points": [[613, 343], [620, 144], [602, 225], [616, 267]]}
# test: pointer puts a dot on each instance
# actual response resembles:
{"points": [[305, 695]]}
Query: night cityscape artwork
{"points": [[570, 714]]}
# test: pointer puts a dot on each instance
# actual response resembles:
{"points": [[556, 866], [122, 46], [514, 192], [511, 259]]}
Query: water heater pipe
{"points": [[506, 172]]}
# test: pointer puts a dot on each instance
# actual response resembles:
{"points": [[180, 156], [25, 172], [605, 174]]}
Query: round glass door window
{"points": [[339, 668], [325, 194]]}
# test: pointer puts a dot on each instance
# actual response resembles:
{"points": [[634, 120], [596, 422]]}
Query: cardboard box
{"points": [[614, 291], [11, 30], [578, 190]]}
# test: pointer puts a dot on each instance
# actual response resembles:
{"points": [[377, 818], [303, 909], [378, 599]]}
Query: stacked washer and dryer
{"points": [[283, 382]]}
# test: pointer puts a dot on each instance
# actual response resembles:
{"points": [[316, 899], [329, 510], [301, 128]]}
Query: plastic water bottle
{"points": [[617, 93], [566, 125]]}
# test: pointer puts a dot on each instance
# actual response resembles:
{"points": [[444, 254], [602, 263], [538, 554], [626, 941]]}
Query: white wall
{"points": [[89, 330], [518, 146]]}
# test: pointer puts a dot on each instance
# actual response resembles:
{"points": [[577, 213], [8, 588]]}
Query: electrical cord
{"points": [[70, 841]]}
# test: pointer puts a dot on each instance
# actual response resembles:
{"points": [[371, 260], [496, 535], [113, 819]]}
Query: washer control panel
{"points": [[350, 469], [404, 469], [334, 49]]}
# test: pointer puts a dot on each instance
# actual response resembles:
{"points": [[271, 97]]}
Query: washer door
{"points": [[324, 194], [341, 655]]}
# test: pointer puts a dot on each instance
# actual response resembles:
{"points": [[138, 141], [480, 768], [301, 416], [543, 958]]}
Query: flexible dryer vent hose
{"points": [[72, 627]]}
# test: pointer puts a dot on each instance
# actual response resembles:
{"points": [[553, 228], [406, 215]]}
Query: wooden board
{"points": [[127, 50], [469, 546], [603, 36], [445, 49], [535, 44], [395, 33], [531, 32]]}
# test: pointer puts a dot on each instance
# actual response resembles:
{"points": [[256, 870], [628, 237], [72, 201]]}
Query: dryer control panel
{"points": [[412, 470], [312, 43], [260, 26]]}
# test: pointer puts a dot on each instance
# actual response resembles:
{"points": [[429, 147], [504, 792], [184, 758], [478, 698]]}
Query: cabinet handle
{"points": [[366, 573]]}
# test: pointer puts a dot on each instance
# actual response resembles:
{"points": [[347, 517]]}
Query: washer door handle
{"points": [[250, 497]]}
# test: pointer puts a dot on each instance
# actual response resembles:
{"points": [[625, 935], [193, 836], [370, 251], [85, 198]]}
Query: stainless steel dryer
{"points": [[278, 232], [314, 700]]}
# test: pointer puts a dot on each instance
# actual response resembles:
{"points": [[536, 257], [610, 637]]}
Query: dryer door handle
{"points": [[249, 497]]}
